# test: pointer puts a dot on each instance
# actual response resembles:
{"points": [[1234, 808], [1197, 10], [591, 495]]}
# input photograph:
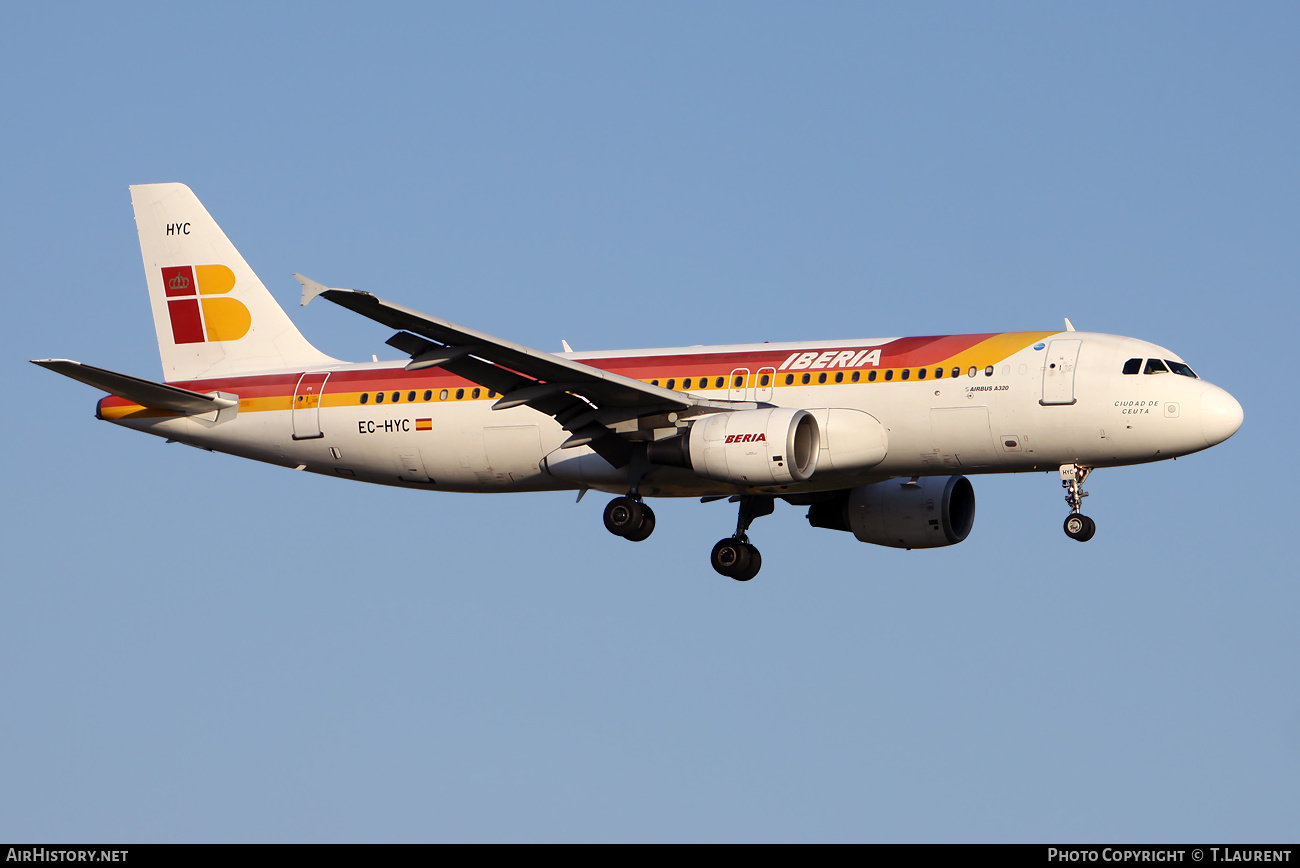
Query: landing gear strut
{"points": [[629, 518], [1077, 525], [735, 557]]}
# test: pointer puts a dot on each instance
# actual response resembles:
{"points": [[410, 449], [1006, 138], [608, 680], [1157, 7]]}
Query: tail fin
{"points": [[213, 315]]}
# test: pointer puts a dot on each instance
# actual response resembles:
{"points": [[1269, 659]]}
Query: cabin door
{"points": [[1058, 372], [306, 405]]}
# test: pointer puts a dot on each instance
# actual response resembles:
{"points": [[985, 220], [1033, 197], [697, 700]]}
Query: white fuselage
{"points": [[1052, 403]]}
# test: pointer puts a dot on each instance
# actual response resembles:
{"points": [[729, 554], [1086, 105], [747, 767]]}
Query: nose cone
{"points": [[1221, 415]]}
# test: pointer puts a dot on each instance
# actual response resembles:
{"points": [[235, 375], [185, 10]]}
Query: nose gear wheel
{"points": [[1080, 527]]}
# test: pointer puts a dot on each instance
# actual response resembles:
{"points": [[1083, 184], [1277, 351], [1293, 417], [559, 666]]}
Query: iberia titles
{"points": [[831, 359]]}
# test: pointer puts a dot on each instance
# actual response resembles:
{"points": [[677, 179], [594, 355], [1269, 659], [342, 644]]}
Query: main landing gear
{"points": [[629, 518], [1077, 525], [736, 557]]}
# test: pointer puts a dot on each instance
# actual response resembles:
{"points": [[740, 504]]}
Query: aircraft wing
{"points": [[146, 393], [599, 408]]}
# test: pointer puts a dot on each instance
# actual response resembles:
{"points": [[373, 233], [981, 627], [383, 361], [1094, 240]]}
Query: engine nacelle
{"points": [[851, 440], [931, 512], [773, 446]]}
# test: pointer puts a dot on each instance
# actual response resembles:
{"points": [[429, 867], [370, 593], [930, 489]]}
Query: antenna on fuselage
{"points": [[1069, 326]]}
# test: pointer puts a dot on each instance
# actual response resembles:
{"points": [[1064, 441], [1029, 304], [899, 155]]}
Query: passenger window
{"points": [[907, 372], [720, 381], [686, 383], [821, 378], [956, 372], [740, 381], [475, 393], [365, 396], [460, 393], [492, 393], [672, 384], [397, 396], [764, 380], [857, 375], [806, 379], [1133, 366], [654, 382], [871, 376], [379, 397], [988, 372], [428, 394], [410, 396], [920, 374], [889, 375], [1181, 369], [789, 379], [442, 396], [973, 371], [1155, 366], [839, 376], [938, 373]]}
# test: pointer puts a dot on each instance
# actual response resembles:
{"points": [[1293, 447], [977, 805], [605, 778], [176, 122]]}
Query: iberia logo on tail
{"points": [[197, 315]]}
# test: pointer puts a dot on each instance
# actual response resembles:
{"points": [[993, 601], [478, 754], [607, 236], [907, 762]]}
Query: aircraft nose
{"points": [[1221, 415]]}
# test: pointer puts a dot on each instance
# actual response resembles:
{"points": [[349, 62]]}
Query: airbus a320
{"points": [[874, 437]]}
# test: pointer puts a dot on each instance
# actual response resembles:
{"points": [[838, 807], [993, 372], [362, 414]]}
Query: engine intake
{"points": [[931, 512], [773, 446]]}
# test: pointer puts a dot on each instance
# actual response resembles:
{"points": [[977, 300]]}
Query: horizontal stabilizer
{"points": [[146, 393]]}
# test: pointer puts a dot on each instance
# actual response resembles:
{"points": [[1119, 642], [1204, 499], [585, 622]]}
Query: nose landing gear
{"points": [[1077, 525], [735, 557]]}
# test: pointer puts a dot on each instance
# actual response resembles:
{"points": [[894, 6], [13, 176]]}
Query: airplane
{"points": [[875, 437]]}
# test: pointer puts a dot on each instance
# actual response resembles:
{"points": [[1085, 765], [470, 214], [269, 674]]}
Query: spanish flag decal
{"points": [[423, 424]]}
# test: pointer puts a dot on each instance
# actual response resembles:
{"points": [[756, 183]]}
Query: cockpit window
{"points": [[1133, 366], [1181, 369], [1155, 366]]}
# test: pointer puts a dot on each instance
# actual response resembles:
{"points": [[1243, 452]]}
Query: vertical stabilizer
{"points": [[213, 315]]}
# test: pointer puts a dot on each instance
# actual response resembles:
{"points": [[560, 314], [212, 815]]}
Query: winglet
{"points": [[310, 289], [1069, 326]]}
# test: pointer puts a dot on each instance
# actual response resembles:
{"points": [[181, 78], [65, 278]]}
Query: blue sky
{"points": [[198, 648]]}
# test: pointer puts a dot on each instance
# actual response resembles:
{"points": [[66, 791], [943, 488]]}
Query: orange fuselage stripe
{"points": [[272, 392]]}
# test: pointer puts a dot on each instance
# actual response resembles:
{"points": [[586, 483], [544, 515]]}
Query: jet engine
{"points": [[773, 446], [933, 511]]}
